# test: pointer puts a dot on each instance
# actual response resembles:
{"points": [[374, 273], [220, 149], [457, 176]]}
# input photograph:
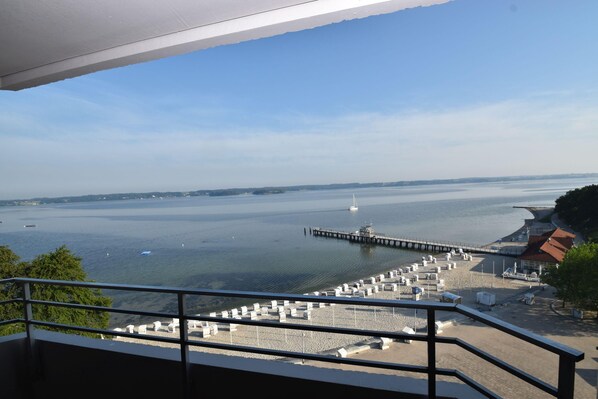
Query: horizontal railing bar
{"points": [[107, 332], [275, 324], [476, 385], [447, 372], [223, 320], [503, 365], [11, 321], [525, 335], [311, 356], [240, 348], [311, 327], [9, 301], [103, 309], [390, 303]]}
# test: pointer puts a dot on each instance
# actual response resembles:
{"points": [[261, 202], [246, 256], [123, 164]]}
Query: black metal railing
{"points": [[568, 357]]}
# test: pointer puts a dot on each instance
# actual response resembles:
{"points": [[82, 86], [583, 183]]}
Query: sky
{"points": [[469, 88]]}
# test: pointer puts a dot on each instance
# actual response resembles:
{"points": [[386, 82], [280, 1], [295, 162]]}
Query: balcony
{"points": [[36, 362]]}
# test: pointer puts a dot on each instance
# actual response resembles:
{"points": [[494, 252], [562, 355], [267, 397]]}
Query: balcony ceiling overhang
{"points": [[43, 41]]}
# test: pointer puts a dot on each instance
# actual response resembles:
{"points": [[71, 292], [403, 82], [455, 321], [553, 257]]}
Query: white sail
{"points": [[353, 207]]}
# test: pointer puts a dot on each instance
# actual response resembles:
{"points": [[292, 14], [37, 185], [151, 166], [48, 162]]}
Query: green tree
{"points": [[578, 208], [10, 266], [576, 278], [60, 264]]}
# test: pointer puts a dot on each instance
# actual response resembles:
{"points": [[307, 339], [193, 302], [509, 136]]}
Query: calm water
{"points": [[257, 243]]}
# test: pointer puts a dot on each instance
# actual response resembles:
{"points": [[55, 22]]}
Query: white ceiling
{"points": [[42, 41]]}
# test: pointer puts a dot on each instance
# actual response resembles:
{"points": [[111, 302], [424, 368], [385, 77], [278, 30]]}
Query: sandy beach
{"points": [[466, 279], [467, 276]]}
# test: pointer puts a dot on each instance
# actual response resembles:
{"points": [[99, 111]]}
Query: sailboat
{"points": [[353, 207]]}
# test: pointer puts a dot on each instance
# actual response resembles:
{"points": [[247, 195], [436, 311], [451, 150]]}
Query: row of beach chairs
{"points": [[301, 309]]}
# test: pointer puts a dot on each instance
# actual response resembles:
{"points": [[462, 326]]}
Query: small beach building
{"points": [[366, 231], [545, 250]]}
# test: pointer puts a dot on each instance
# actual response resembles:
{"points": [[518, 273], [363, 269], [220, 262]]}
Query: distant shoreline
{"points": [[158, 195]]}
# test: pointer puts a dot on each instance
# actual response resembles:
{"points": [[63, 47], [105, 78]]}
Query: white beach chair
{"points": [[408, 330], [204, 332], [214, 329], [438, 327], [117, 330], [191, 324], [384, 343]]}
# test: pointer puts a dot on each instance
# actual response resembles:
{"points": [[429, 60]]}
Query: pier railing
{"points": [[566, 365], [417, 244]]}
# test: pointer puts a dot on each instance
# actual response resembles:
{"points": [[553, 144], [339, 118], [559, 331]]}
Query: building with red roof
{"points": [[545, 250]]}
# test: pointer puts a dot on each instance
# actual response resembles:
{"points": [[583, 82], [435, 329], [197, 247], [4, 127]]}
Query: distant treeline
{"points": [[579, 208], [275, 190]]}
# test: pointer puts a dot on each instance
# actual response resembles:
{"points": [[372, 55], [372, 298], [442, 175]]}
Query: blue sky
{"points": [[466, 88]]}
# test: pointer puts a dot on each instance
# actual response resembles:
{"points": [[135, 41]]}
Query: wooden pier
{"points": [[368, 237]]}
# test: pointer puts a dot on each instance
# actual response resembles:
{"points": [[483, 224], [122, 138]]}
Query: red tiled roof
{"points": [[549, 247]]}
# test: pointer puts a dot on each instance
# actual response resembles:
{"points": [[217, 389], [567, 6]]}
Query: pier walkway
{"points": [[414, 244]]}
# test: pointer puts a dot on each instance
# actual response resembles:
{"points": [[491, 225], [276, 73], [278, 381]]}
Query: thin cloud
{"points": [[512, 137]]}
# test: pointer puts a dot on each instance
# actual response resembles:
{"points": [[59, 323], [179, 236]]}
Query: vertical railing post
{"points": [[32, 366], [28, 313], [431, 354], [183, 337], [566, 377]]}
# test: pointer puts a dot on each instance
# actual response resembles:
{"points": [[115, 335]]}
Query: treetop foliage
{"points": [[579, 208], [60, 264], [576, 278]]}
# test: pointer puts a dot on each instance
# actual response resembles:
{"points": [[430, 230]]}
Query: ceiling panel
{"points": [[42, 41]]}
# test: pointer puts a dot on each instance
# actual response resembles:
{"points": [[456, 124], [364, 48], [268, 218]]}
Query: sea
{"points": [[263, 242]]}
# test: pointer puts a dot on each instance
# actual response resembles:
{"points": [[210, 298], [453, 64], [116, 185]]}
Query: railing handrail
{"points": [[568, 356], [528, 336]]}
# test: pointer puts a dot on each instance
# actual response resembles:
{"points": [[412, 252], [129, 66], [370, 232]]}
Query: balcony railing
{"points": [[567, 356]]}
